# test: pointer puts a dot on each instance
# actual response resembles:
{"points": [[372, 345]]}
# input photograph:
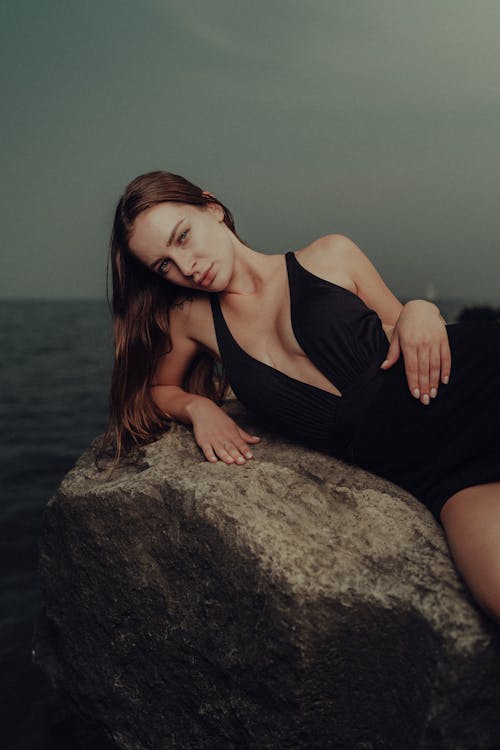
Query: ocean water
{"points": [[54, 381]]}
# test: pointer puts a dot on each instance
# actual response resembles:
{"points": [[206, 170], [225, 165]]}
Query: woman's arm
{"points": [[216, 433], [175, 402], [370, 286], [171, 368], [419, 328]]}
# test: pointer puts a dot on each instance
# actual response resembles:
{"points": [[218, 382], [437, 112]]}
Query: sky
{"points": [[376, 120]]}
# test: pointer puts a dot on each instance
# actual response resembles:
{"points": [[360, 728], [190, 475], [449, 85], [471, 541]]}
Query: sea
{"points": [[54, 388]]}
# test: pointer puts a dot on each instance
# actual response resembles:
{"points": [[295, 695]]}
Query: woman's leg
{"points": [[471, 520]]}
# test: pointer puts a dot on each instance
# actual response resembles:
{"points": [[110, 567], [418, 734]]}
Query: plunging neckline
{"points": [[290, 254]]}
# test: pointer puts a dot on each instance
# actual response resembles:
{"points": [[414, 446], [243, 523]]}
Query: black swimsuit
{"points": [[432, 451]]}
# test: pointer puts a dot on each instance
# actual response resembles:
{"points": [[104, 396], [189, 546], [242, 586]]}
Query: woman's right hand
{"points": [[218, 435]]}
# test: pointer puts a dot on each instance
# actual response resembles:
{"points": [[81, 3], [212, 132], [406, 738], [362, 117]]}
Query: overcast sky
{"points": [[379, 120]]}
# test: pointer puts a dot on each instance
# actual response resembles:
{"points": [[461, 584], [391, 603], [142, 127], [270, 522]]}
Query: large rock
{"points": [[293, 602]]}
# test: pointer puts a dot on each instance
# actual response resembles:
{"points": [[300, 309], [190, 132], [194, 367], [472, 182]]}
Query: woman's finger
{"points": [[246, 435], [243, 447], [423, 373], [233, 451], [435, 366], [445, 360], [223, 453], [393, 353], [238, 449], [208, 452], [411, 367]]}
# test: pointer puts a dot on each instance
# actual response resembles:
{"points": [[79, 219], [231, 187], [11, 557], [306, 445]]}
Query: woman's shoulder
{"points": [[329, 258], [325, 248], [186, 305], [190, 315]]}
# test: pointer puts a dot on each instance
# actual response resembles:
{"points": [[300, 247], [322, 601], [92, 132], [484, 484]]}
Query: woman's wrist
{"points": [[422, 301], [427, 303], [176, 403], [191, 407]]}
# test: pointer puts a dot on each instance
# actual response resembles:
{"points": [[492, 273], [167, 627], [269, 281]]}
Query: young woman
{"points": [[313, 342]]}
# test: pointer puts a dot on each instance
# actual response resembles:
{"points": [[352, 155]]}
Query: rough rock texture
{"points": [[293, 602]]}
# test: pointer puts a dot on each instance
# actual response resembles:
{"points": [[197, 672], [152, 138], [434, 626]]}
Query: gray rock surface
{"points": [[293, 602]]}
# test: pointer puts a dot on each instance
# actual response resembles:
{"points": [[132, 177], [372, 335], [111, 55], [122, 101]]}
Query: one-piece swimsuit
{"points": [[431, 451]]}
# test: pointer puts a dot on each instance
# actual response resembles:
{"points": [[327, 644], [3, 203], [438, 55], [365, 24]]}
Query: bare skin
{"points": [[471, 520], [275, 346], [191, 247], [253, 287]]}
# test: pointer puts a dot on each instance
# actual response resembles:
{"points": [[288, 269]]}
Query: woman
{"points": [[314, 343]]}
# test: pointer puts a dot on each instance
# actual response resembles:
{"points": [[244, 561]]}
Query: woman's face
{"points": [[187, 245]]}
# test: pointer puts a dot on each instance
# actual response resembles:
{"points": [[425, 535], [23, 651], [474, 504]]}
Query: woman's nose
{"points": [[186, 265]]}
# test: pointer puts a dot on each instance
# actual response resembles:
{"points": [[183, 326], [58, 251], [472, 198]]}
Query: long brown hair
{"points": [[140, 311]]}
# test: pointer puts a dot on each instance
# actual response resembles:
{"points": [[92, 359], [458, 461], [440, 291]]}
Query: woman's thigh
{"points": [[471, 520]]}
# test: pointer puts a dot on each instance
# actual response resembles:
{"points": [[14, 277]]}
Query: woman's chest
{"points": [[264, 332], [261, 327]]}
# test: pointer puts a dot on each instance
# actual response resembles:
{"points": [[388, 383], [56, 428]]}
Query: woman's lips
{"points": [[207, 277]]}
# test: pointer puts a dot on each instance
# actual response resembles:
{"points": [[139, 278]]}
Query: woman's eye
{"points": [[165, 263], [161, 267]]}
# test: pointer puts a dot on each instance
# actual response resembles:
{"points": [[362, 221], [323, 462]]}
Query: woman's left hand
{"points": [[420, 333]]}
